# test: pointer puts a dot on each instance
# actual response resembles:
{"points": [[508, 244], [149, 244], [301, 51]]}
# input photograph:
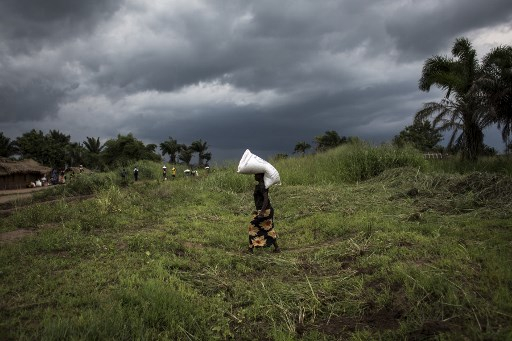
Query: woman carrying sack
{"points": [[261, 227]]}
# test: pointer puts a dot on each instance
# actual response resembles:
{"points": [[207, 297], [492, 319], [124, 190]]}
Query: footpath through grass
{"points": [[399, 253]]}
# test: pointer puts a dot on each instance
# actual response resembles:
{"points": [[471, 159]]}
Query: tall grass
{"points": [[349, 163]]}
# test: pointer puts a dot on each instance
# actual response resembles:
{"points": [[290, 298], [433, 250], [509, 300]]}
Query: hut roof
{"points": [[8, 167]]}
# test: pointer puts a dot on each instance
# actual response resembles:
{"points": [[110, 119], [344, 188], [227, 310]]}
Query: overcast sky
{"points": [[237, 74]]}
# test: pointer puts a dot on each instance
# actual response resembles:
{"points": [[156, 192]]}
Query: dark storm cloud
{"points": [[38, 100], [31, 88], [422, 28], [257, 46], [27, 25]]}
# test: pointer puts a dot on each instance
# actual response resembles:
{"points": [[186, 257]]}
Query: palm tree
{"points": [[185, 154], [496, 85], [7, 147], [171, 147], [93, 149], [74, 154], [93, 146], [200, 148], [461, 109], [301, 147]]}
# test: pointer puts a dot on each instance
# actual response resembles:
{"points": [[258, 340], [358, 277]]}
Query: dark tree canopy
{"points": [[125, 149], [7, 147], [329, 140], [421, 134]]}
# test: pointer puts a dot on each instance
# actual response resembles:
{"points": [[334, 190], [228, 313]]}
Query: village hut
{"points": [[20, 174]]}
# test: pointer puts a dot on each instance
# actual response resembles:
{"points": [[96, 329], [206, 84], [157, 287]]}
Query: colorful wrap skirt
{"points": [[261, 229]]}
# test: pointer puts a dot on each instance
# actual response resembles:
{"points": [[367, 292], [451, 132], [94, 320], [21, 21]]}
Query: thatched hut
{"points": [[19, 174]]}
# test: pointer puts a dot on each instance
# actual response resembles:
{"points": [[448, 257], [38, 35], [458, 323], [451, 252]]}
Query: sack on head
{"points": [[253, 164]]}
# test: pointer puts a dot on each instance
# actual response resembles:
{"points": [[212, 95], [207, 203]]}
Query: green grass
{"points": [[377, 243]]}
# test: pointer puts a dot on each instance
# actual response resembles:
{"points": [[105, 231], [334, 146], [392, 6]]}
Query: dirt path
{"points": [[9, 195]]}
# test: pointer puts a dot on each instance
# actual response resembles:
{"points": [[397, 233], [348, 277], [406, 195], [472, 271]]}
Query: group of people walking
{"points": [[124, 173]]}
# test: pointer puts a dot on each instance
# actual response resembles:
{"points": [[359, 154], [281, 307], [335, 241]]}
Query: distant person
{"points": [[136, 173], [123, 174], [62, 177], [54, 176], [81, 169], [164, 172], [261, 228], [173, 172]]}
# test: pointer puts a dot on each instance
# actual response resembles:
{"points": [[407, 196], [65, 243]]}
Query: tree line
{"points": [[55, 149]]}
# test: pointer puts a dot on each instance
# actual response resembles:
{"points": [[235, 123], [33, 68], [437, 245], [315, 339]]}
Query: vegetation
{"points": [[127, 149], [171, 147], [421, 135], [7, 146], [476, 95], [330, 139], [56, 150], [301, 147], [496, 85], [200, 147], [377, 242]]}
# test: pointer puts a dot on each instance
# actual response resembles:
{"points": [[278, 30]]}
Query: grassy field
{"points": [[377, 243]]}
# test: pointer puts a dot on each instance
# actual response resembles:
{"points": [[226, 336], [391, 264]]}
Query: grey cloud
{"points": [[30, 103], [27, 25], [255, 55], [420, 31]]}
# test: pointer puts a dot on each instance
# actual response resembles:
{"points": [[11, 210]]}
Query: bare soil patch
{"points": [[9, 195], [12, 236]]}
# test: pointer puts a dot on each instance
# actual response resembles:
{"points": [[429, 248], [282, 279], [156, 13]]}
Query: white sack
{"points": [[253, 164]]}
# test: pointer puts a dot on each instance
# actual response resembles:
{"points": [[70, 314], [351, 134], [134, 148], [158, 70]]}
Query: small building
{"points": [[19, 174]]}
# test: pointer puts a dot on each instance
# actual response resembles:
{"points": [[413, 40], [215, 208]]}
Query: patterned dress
{"points": [[261, 229]]}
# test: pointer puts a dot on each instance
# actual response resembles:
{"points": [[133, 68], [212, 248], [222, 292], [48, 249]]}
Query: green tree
{"points": [[329, 140], [93, 145], [185, 154], [200, 147], [58, 146], [7, 147], [171, 147], [32, 145], [207, 157], [125, 149], [93, 149], [301, 148], [75, 154], [51, 149], [462, 108], [496, 85], [421, 134]]}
